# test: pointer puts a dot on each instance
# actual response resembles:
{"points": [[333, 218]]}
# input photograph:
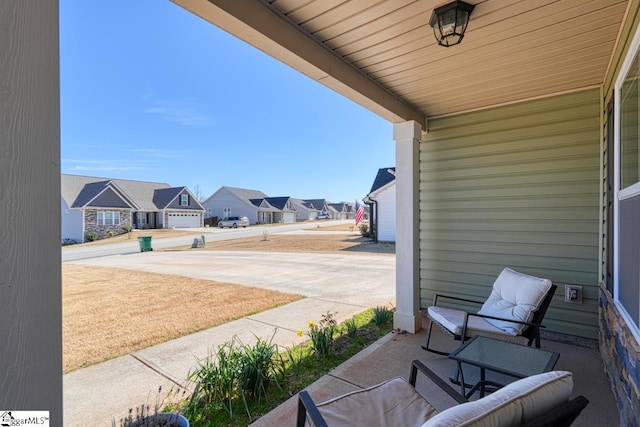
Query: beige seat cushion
{"points": [[452, 320], [511, 406], [392, 403]]}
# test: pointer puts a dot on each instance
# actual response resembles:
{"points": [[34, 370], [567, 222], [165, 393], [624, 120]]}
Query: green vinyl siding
{"points": [[515, 186]]}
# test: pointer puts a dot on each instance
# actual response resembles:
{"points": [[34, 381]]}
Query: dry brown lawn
{"points": [[110, 312], [312, 242]]}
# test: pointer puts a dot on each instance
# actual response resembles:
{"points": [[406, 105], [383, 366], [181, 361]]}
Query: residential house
{"points": [[254, 204], [341, 210], [106, 205], [382, 205], [285, 213], [517, 147], [304, 211], [311, 208], [317, 207]]}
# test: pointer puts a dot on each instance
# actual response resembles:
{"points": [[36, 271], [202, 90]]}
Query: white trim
{"points": [[117, 191], [601, 204], [631, 191], [104, 219]]}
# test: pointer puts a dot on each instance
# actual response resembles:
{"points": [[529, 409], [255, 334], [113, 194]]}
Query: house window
{"points": [[184, 200], [142, 218], [627, 191], [108, 218]]}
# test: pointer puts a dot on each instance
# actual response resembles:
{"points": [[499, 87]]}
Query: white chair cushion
{"points": [[513, 405], [392, 403], [452, 320], [514, 296]]}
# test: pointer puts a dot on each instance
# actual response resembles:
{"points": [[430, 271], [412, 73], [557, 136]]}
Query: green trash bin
{"points": [[145, 243]]}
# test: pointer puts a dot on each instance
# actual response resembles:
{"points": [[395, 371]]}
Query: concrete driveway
{"points": [[363, 280]]}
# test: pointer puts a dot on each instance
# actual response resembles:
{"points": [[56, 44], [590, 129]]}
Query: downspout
{"points": [[374, 223], [373, 213]]}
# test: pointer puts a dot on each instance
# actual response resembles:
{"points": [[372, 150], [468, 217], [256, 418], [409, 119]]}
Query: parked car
{"points": [[233, 222], [323, 216]]}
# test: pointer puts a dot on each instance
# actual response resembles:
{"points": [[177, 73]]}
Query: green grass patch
{"points": [[239, 383]]}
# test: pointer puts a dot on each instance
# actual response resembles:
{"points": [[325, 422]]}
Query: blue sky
{"points": [[151, 92]]}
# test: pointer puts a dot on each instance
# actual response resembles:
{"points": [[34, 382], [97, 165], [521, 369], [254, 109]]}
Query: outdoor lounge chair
{"points": [[513, 312], [539, 400]]}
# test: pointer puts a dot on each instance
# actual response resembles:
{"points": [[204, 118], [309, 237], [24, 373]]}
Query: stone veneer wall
{"points": [[91, 223], [620, 353]]}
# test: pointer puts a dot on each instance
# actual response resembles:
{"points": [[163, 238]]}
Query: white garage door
{"points": [[289, 217], [184, 220]]}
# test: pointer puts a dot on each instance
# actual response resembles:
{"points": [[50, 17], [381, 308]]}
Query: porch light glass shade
{"points": [[450, 21]]}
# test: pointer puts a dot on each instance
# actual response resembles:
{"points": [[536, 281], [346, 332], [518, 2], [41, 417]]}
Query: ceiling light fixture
{"points": [[450, 21]]}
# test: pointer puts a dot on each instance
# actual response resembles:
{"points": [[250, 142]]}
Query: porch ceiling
{"points": [[382, 53]]}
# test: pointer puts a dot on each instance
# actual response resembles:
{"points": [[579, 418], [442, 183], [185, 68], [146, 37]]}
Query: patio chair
{"points": [[513, 312], [539, 400]]}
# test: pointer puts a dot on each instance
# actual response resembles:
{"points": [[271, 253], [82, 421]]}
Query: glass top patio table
{"points": [[518, 361]]}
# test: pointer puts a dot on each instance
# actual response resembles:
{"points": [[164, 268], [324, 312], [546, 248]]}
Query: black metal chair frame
{"points": [[532, 333], [562, 415]]}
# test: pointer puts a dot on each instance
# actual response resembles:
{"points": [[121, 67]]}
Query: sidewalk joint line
{"points": [[157, 370], [269, 324]]}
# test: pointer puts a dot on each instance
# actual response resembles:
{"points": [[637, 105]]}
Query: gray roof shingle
{"points": [[384, 176], [77, 190]]}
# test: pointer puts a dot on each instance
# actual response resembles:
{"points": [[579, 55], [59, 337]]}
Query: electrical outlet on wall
{"points": [[573, 294]]}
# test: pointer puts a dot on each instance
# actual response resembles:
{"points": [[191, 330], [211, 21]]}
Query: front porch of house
{"points": [[391, 357]]}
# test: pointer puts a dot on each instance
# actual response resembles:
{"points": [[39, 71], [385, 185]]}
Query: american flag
{"points": [[359, 213]]}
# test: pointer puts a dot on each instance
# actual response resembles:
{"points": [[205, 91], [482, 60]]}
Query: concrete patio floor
{"points": [[391, 357]]}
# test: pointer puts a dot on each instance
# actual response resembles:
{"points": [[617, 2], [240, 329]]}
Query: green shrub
{"points": [[382, 315], [321, 334], [352, 327], [127, 229], [91, 236], [236, 374], [364, 229]]}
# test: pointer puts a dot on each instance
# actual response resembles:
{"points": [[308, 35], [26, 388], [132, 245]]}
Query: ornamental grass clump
{"points": [[232, 377], [382, 315], [351, 326], [322, 333]]}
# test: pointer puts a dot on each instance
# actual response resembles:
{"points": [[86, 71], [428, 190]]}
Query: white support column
{"points": [[407, 317]]}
